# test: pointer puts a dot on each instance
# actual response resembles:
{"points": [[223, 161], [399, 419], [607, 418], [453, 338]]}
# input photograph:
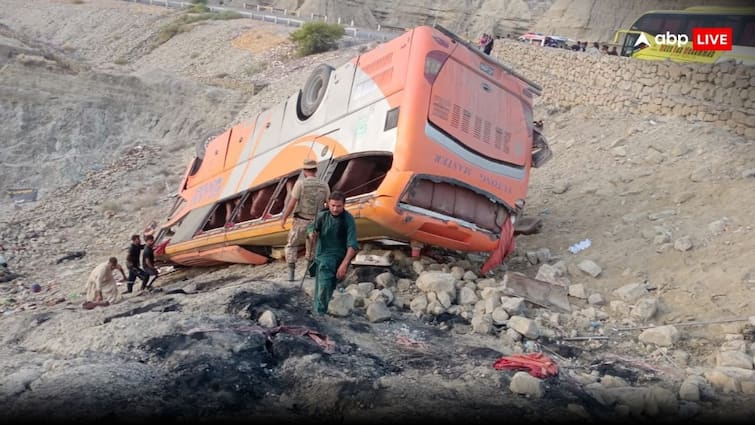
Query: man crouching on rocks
{"points": [[336, 234], [101, 288]]}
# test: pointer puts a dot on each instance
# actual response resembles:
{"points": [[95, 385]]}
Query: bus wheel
{"points": [[208, 137], [311, 95], [201, 148]]}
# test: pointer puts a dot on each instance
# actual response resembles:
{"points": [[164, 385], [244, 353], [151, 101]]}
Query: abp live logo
{"points": [[711, 38], [702, 39]]}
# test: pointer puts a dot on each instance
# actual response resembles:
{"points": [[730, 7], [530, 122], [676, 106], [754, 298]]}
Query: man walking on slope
{"points": [[307, 199], [100, 287], [132, 263], [336, 235]]}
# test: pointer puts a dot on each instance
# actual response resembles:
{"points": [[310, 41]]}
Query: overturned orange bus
{"points": [[431, 140]]}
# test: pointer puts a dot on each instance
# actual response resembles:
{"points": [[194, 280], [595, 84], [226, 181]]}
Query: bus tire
{"points": [[208, 136], [313, 92], [201, 148]]}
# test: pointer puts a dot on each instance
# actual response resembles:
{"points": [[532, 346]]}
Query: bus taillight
{"points": [[433, 62]]}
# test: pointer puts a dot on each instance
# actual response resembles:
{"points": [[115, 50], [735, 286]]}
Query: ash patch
{"points": [[208, 386], [368, 273], [449, 319], [289, 305], [162, 305], [164, 346], [360, 327], [484, 353], [214, 374], [564, 350]]}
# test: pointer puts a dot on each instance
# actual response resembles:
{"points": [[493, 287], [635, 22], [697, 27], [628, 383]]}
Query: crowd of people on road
{"points": [[595, 49], [486, 40]]}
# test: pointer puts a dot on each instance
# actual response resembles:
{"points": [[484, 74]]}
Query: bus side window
{"points": [[260, 201], [245, 210], [216, 218], [674, 24], [231, 209], [279, 202], [357, 172], [651, 24]]}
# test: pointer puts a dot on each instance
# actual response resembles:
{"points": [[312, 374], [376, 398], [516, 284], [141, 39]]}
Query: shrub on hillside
{"points": [[200, 8], [316, 37]]}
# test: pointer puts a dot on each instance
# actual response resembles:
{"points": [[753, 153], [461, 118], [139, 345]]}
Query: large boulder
{"points": [[436, 281]]}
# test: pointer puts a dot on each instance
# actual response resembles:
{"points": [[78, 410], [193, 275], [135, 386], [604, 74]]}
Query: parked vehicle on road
{"points": [[639, 41]]}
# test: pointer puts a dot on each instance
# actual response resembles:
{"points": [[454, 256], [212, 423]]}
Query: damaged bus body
{"points": [[431, 141]]}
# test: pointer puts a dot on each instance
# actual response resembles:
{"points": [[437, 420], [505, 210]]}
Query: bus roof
{"points": [[707, 10], [720, 9]]}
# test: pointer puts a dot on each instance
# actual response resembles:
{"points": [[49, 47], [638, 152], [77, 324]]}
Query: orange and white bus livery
{"points": [[431, 141]]}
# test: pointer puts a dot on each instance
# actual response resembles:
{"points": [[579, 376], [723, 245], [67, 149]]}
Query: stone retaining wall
{"points": [[723, 94]]}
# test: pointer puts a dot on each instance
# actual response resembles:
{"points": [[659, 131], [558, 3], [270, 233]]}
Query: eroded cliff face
{"points": [[594, 20], [467, 17]]}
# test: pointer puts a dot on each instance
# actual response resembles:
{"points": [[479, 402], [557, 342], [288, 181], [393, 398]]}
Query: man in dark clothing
{"points": [[149, 260], [488, 45], [336, 235], [132, 262]]}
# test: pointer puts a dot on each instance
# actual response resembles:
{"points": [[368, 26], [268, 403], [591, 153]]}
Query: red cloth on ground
{"points": [[504, 247], [537, 364]]}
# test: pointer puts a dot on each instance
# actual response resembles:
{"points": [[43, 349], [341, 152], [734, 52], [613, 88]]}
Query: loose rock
{"points": [[631, 292], [734, 359], [589, 267], [683, 244], [596, 299], [524, 383], [467, 296], [268, 319], [513, 305], [645, 309], [689, 390], [341, 305], [377, 311], [577, 291], [664, 336], [500, 316], [524, 326]]}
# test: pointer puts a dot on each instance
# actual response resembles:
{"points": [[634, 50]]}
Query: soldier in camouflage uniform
{"points": [[307, 198]]}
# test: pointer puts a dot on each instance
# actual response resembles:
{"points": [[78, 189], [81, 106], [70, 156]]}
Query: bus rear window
{"points": [[479, 114]]}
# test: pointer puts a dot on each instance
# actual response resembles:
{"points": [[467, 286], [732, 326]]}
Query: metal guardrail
{"points": [[280, 17]]}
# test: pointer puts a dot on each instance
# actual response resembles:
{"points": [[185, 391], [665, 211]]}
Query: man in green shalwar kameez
{"points": [[336, 235]]}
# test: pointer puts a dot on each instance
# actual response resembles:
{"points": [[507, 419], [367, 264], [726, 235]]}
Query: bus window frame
{"points": [[627, 44]]}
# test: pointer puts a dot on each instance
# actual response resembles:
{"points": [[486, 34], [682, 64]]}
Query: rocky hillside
{"points": [[594, 20], [659, 324]]}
